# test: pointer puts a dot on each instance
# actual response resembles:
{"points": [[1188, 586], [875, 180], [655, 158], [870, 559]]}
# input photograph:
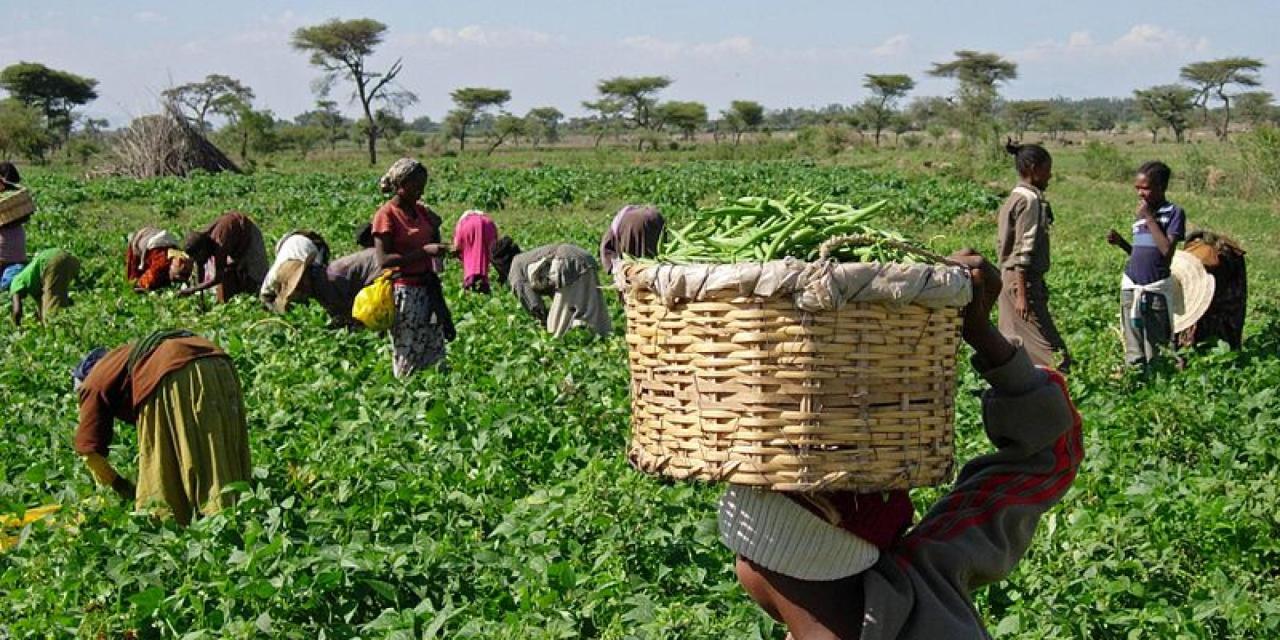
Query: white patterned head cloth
{"points": [[398, 173]]}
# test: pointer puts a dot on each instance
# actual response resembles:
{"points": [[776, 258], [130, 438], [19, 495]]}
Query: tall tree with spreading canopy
{"points": [[1212, 78], [472, 101], [1170, 105], [886, 90], [978, 75], [342, 48], [22, 131], [743, 116], [55, 93], [687, 117], [199, 98], [1257, 107], [636, 97]]}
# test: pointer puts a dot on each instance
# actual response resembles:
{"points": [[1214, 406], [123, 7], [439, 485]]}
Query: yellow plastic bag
{"points": [[375, 307]]}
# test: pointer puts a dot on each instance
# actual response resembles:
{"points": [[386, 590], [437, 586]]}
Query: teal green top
{"points": [[28, 281]]}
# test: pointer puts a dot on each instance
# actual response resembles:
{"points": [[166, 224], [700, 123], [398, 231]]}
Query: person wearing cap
{"points": [[473, 239], [1147, 286], [823, 566], [635, 231], [228, 254], [153, 260], [563, 271], [47, 278], [13, 232], [334, 287], [307, 246], [182, 393]]}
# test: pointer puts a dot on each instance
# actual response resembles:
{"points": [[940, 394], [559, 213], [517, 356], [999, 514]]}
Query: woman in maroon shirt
{"points": [[406, 236]]}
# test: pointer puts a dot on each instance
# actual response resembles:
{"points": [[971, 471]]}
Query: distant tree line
{"points": [[39, 114]]}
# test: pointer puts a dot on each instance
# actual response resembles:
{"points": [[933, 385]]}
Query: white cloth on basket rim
{"points": [[814, 286]]}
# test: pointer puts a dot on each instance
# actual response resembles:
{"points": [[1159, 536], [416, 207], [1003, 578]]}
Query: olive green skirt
{"points": [[193, 440]]}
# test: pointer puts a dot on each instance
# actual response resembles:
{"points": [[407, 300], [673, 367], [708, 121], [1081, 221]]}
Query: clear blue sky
{"points": [[795, 53]]}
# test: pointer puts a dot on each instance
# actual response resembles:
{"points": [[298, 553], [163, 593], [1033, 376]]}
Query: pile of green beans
{"points": [[756, 229]]}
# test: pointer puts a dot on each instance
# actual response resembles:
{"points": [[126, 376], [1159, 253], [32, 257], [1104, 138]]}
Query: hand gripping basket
{"points": [[795, 376], [15, 204]]}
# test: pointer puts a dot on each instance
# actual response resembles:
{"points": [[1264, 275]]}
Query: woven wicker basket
{"points": [[15, 205], [755, 390]]}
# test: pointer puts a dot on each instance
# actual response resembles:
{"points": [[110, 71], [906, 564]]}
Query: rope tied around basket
{"points": [[835, 242]]}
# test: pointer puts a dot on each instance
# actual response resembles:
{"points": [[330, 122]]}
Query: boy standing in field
{"points": [[1023, 257], [1147, 285]]}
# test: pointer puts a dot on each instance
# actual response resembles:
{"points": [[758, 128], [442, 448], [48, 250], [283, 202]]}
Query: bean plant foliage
{"points": [[493, 500]]}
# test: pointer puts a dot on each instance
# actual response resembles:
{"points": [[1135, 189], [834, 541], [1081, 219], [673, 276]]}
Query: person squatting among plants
{"points": [[1022, 252], [153, 260], [563, 271], [229, 254], [47, 278], [406, 236], [1146, 287], [307, 246], [635, 231], [183, 394], [838, 565], [473, 239]]}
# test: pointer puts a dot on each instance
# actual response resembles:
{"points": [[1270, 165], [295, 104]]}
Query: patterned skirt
{"points": [[417, 339]]}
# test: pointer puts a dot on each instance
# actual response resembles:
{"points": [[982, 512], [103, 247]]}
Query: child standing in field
{"points": [[1147, 285], [1022, 250]]}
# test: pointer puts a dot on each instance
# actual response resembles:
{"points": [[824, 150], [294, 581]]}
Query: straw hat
{"points": [[290, 276], [1192, 290], [15, 204]]}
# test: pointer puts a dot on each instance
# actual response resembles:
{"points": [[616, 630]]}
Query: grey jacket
{"points": [[922, 587]]}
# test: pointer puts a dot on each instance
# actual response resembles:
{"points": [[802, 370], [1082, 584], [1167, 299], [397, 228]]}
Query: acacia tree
{"points": [[55, 93], [978, 75], [1024, 115], [687, 117], [506, 127], [607, 114], [472, 101], [326, 117], [543, 123], [743, 116], [1170, 105], [200, 97], [636, 98], [1213, 77], [342, 48], [886, 90]]}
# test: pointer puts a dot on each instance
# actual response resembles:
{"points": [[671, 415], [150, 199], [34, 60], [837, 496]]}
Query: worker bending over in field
{"points": [[1146, 288], [183, 394], [47, 278], [1022, 247], [473, 240], [334, 286], [635, 231], [153, 260], [229, 254], [817, 565], [1224, 259], [304, 245], [563, 271], [406, 236], [13, 232]]}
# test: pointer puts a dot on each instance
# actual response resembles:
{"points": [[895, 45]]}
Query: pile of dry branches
{"points": [[164, 144]]}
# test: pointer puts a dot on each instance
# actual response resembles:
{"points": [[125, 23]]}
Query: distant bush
{"points": [[1261, 150], [411, 140], [1104, 161], [912, 141], [826, 139], [1196, 168]]}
